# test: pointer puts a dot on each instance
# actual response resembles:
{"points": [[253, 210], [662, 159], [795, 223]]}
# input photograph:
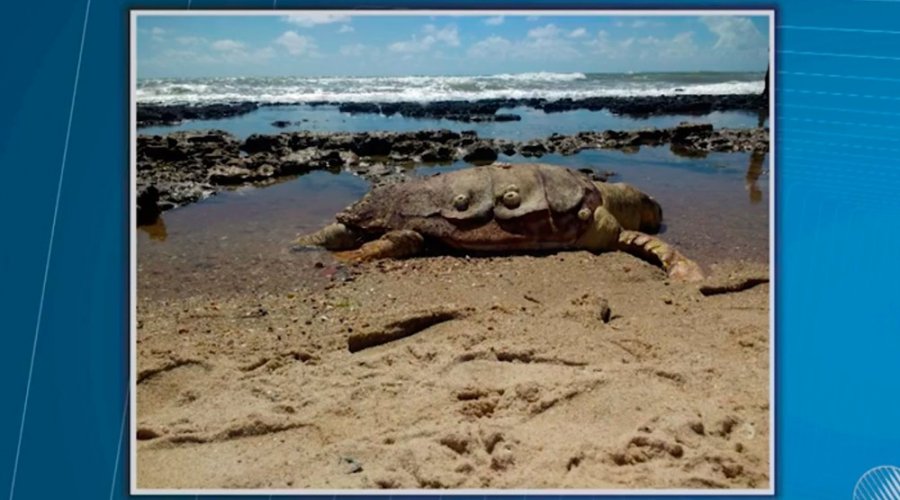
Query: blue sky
{"points": [[335, 44]]}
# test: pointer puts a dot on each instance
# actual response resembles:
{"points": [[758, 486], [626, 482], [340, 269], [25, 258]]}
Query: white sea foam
{"points": [[540, 76], [545, 85]]}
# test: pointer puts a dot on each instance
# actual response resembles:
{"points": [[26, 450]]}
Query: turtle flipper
{"points": [[334, 236], [395, 244], [649, 247]]}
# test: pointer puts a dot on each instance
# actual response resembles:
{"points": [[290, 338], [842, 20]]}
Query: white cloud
{"points": [[548, 31], [602, 44], [578, 33], [495, 46], [227, 45], [663, 51], [199, 50], [640, 23], [680, 47], [182, 56], [345, 28], [494, 21], [735, 33], [553, 49], [448, 36], [412, 46], [296, 44], [357, 50], [158, 34], [264, 53], [310, 19], [190, 40], [179, 58], [542, 43]]}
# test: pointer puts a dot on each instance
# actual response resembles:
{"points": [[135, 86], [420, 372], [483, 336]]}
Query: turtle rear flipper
{"points": [[654, 249]]}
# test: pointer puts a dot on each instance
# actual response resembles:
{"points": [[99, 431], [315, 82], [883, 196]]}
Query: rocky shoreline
{"points": [[153, 114], [482, 110], [183, 167]]}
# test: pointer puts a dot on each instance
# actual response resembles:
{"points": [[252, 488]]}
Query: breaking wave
{"points": [[546, 85]]}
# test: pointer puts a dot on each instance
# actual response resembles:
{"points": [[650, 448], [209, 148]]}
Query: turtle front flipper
{"points": [[334, 236], [652, 248], [395, 244]]}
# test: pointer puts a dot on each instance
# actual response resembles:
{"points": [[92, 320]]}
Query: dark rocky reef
{"points": [[661, 105], [164, 114], [486, 109], [483, 110], [183, 167]]}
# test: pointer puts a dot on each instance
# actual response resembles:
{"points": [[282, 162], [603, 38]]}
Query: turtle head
{"points": [[335, 236], [358, 223], [370, 213], [651, 214]]}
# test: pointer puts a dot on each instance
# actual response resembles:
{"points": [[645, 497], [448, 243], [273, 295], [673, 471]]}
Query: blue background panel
{"points": [[64, 155]]}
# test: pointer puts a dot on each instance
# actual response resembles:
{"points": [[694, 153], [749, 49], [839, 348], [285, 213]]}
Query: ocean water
{"points": [[438, 88], [534, 124]]}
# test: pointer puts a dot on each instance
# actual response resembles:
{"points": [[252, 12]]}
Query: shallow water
{"points": [[715, 209], [534, 124]]}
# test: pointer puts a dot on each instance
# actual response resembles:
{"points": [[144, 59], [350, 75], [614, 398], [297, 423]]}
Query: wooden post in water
{"points": [[764, 102]]}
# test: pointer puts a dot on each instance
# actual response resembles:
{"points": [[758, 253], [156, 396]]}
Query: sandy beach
{"points": [[525, 386]]}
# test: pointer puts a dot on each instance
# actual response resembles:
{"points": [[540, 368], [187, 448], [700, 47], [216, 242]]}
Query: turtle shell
{"points": [[495, 207]]}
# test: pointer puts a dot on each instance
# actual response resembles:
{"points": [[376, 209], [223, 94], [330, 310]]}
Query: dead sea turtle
{"points": [[502, 208]]}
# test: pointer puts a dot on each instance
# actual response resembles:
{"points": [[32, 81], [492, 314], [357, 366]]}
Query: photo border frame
{"points": [[135, 13]]}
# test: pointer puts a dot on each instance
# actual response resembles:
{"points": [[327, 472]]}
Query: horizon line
{"points": [[469, 75]]}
